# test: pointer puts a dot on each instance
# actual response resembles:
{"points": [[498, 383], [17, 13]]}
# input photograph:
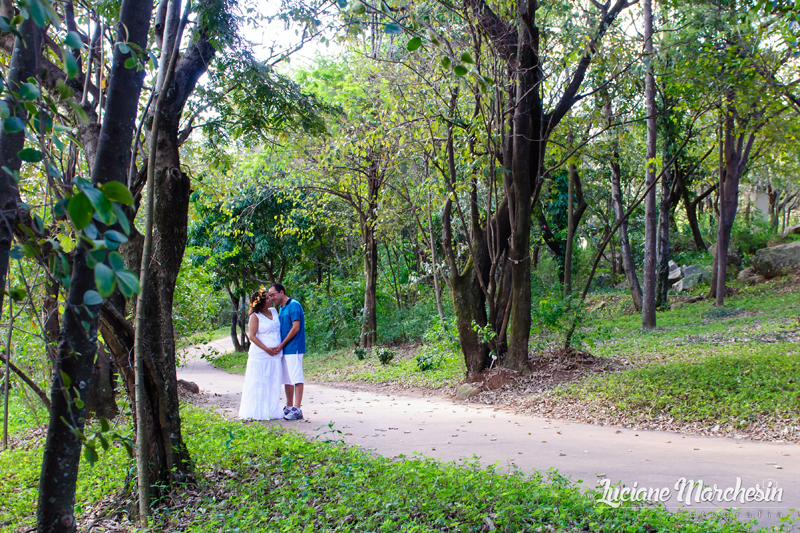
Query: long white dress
{"points": [[264, 376]]}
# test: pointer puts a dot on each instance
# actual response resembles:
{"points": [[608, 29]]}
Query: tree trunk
{"points": [[168, 456], [649, 270], [624, 243], [570, 233], [736, 155], [77, 344], [102, 399], [691, 210], [369, 327], [24, 62], [369, 219], [662, 269], [436, 288]]}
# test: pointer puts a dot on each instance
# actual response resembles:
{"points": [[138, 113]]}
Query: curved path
{"points": [[436, 426]]}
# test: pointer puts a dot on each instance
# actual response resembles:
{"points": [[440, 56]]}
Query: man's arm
{"points": [[290, 335]]}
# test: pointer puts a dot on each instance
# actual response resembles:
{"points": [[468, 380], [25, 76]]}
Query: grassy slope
{"points": [[253, 477], [735, 367]]}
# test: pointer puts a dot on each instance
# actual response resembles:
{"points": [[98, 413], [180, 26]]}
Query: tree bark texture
{"points": [[624, 242], [518, 45], [368, 221], [662, 249], [77, 343], [168, 456], [24, 62], [649, 270]]}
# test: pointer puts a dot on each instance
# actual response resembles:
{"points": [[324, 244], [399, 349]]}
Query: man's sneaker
{"points": [[287, 410], [294, 414]]}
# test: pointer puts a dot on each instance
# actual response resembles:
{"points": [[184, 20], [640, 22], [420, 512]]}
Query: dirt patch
{"points": [[554, 367]]}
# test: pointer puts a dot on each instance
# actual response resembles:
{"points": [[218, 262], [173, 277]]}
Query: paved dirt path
{"points": [[392, 424]]}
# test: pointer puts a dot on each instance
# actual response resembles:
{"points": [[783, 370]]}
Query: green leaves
{"points": [[392, 29], [92, 298], [29, 92], [104, 278], [414, 44], [73, 40], [30, 155], [13, 125], [460, 70], [98, 202], [80, 210], [117, 192], [70, 64]]}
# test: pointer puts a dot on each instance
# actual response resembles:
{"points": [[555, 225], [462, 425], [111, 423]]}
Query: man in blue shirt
{"points": [[293, 345]]}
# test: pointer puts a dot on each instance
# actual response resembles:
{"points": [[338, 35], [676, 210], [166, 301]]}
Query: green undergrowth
{"points": [[20, 467], [343, 365], [257, 477], [731, 385], [274, 480], [732, 367], [232, 362]]}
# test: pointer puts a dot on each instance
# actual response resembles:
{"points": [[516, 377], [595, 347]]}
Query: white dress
{"points": [[265, 374]]}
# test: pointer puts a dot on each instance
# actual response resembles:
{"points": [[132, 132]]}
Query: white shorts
{"points": [[294, 368]]}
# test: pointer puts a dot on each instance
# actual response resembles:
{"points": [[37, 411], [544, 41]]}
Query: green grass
{"points": [[280, 481], [232, 362], [19, 480], [342, 365], [735, 385], [734, 367], [256, 477]]}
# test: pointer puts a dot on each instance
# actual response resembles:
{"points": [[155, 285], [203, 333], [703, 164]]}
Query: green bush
{"points": [[360, 353], [385, 355]]}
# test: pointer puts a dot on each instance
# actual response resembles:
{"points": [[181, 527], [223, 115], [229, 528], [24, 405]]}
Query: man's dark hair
{"points": [[279, 287]]}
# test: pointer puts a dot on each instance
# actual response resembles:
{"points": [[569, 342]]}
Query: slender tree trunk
{"points": [[24, 62], [570, 233], [624, 243], [77, 343], [662, 271], [736, 155], [436, 288], [369, 327], [649, 271]]}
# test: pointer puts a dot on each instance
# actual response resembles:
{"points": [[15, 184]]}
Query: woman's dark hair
{"points": [[257, 301]]}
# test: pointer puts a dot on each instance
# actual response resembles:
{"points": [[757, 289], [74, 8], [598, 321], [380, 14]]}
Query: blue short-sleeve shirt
{"points": [[288, 314]]}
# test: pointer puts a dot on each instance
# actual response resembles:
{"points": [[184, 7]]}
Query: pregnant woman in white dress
{"points": [[264, 377]]}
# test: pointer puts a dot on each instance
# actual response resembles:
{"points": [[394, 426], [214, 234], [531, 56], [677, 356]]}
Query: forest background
{"points": [[460, 176]]}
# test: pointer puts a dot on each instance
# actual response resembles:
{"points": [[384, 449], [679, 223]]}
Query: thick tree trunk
{"points": [[649, 270], [77, 342], [168, 456], [525, 163]]}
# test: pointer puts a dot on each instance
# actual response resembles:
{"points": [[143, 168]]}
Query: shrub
{"points": [[360, 353], [385, 355]]}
